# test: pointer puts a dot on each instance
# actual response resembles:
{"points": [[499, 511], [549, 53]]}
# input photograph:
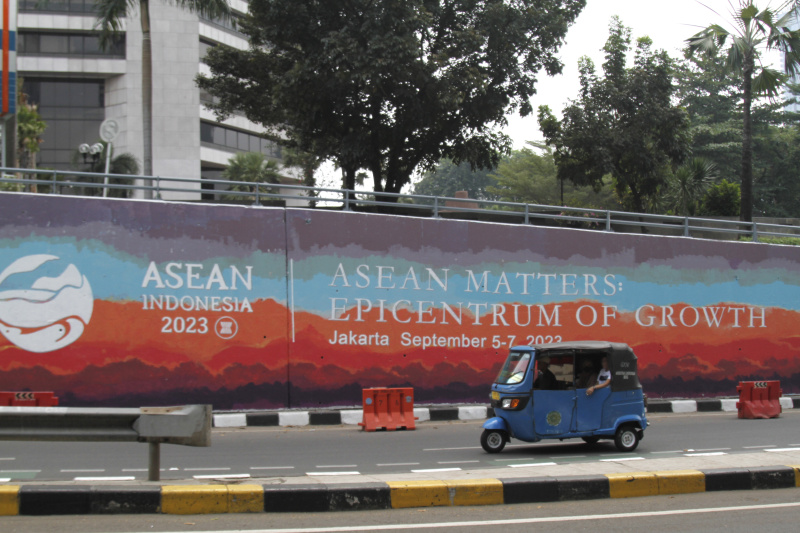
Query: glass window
{"points": [[514, 369], [219, 136], [51, 43], [230, 138], [255, 144], [206, 133]]}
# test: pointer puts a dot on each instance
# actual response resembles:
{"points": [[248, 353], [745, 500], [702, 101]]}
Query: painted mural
{"points": [[127, 303]]}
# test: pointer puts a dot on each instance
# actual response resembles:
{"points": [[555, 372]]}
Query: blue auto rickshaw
{"points": [[550, 391]]}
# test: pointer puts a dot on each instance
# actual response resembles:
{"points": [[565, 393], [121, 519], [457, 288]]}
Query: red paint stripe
{"points": [[6, 45]]}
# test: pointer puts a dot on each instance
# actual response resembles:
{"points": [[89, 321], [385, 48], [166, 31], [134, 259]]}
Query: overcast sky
{"points": [[667, 22]]}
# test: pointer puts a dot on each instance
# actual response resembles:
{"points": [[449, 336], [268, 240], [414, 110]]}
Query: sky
{"points": [[667, 22]]}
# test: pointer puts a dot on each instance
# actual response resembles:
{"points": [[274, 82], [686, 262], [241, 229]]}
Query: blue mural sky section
{"points": [[314, 294], [115, 275]]}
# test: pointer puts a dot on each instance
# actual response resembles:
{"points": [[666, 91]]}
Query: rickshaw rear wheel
{"points": [[591, 440], [493, 441], [626, 439]]}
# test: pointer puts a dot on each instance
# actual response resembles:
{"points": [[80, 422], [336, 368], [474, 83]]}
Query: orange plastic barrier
{"points": [[28, 399], [388, 409], [759, 399]]}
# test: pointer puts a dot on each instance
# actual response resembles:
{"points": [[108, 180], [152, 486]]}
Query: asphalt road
{"points": [[731, 512], [433, 446]]}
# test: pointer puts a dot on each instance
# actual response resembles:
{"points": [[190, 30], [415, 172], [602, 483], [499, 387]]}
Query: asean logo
{"points": [[554, 418], [45, 303]]}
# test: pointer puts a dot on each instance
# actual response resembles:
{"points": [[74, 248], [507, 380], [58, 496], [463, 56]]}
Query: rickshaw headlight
{"points": [[510, 403]]}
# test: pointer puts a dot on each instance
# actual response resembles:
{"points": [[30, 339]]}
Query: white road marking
{"points": [[223, 476], [336, 466], [397, 464], [8, 458], [108, 478], [569, 457], [455, 462], [435, 470], [760, 447], [622, 459], [507, 522], [78, 470], [353, 473], [712, 450], [704, 454], [782, 450], [449, 449], [271, 468], [671, 451], [532, 464], [208, 469], [20, 471], [5, 479], [136, 470]]}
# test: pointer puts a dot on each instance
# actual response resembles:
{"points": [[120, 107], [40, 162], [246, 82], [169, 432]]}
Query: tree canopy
{"points": [[390, 86], [753, 32], [623, 124], [448, 178]]}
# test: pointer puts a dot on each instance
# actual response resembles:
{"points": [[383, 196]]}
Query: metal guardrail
{"points": [[176, 189], [188, 425]]}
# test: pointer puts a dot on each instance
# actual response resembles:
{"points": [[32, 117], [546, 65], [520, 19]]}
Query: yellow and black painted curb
{"points": [[205, 499]]}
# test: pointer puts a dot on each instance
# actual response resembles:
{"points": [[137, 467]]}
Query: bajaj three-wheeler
{"points": [[557, 391]]}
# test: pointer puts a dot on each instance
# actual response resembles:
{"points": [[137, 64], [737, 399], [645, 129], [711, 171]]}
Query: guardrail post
{"points": [[685, 226], [527, 218], [608, 220], [435, 207], [154, 461], [258, 197], [346, 193], [755, 232], [56, 189], [158, 187]]}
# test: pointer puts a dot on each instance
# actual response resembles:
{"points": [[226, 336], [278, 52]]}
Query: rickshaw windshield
{"points": [[513, 370]]}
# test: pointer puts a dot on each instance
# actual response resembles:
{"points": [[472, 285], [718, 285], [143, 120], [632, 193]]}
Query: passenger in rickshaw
{"points": [[545, 379], [603, 378], [587, 376]]}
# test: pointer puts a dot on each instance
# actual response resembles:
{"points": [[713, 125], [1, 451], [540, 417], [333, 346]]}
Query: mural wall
{"points": [[127, 303]]}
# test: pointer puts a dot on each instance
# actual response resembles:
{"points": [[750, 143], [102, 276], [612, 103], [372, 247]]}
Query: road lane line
{"points": [[107, 478], [223, 476], [782, 450], [336, 466], [424, 470], [137, 470], [760, 447], [397, 464], [455, 462], [208, 469], [711, 450], [352, 473], [532, 464], [515, 521], [614, 459], [705, 454], [271, 468], [8, 458], [569, 457], [79, 470], [670, 451]]}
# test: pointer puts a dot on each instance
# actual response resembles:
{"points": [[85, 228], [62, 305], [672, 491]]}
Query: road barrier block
{"points": [[427, 493], [388, 409], [680, 481], [9, 500], [28, 399], [632, 485], [194, 499], [796, 475], [759, 399], [475, 491]]}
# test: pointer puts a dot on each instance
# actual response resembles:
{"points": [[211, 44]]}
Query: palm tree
{"points": [[688, 185], [109, 19], [251, 167], [754, 32]]}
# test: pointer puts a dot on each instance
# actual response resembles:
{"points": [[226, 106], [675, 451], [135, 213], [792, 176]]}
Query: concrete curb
{"points": [[215, 499], [351, 416]]}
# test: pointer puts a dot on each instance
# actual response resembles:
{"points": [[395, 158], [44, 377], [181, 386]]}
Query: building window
{"points": [[73, 110], [72, 44], [58, 6], [217, 136], [231, 25]]}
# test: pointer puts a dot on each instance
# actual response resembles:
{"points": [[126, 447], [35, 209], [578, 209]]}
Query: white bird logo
{"points": [[49, 314]]}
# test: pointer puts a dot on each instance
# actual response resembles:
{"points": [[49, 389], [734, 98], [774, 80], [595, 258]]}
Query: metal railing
{"points": [[289, 196], [188, 425]]}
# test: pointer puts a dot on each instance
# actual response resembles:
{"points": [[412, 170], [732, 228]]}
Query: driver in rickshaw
{"points": [[545, 379]]}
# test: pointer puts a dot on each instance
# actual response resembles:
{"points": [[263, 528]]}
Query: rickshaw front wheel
{"points": [[493, 441], [626, 439]]}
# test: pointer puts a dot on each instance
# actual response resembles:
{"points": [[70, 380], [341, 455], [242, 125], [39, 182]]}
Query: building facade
{"points": [[77, 84]]}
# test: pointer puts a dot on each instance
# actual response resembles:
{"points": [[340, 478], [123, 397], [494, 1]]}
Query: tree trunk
{"points": [[746, 208], [147, 94]]}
